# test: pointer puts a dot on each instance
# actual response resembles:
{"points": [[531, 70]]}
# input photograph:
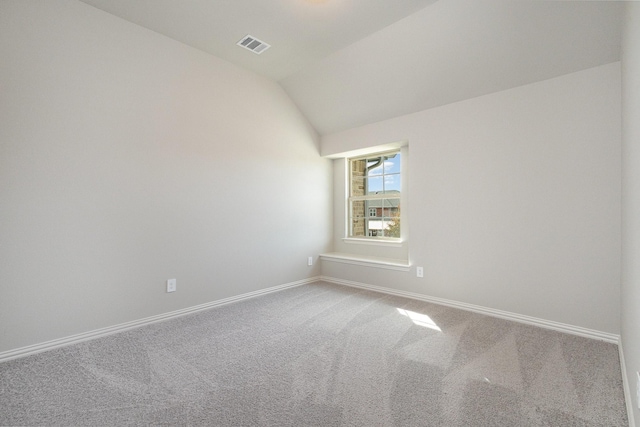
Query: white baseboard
{"points": [[97, 333], [534, 321], [628, 397], [561, 327]]}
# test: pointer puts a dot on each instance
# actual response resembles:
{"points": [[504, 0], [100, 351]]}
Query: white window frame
{"points": [[375, 240]]}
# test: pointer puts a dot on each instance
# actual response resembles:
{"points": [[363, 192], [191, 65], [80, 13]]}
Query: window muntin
{"points": [[375, 188]]}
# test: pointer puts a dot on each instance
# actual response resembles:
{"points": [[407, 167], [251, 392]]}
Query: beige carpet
{"points": [[321, 355]]}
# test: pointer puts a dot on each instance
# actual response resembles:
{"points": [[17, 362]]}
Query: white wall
{"points": [[127, 158], [514, 199], [631, 197]]}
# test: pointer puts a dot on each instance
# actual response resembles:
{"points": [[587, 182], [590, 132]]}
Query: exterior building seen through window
{"points": [[374, 196]]}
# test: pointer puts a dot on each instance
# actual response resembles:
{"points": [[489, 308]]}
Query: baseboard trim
{"points": [[97, 333], [534, 321], [628, 397]]}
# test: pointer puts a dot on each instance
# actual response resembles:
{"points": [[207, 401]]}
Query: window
{"points": [[374, 196]]}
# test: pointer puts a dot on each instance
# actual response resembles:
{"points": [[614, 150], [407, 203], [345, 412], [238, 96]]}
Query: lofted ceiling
{"points": [[347, 63], [299, 31]]}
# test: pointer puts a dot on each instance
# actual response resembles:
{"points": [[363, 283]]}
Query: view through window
{"points": [[374, 196]]}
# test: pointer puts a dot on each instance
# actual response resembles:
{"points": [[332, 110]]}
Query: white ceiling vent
{"points": [[253, 44]]}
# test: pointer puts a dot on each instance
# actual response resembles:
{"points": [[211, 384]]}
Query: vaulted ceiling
{"points": [[346, 63]]}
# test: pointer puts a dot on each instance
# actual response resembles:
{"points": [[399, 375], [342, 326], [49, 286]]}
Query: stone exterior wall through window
{"points": [[358, 173]]}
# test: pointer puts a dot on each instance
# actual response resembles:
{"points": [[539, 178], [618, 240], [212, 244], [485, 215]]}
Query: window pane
{"points": [[358, 227], [358, 208], [374, 166], [358, 181], [392, 183], [375, 176], [392, 164], [374, 206], [358, 167], [375, 184], [358, 184], [390, 204], [391, 217], [375, 227], [392, 228]]}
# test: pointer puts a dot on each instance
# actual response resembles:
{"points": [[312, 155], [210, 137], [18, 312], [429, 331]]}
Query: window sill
{"points": [[367, 261], [375, 242]]}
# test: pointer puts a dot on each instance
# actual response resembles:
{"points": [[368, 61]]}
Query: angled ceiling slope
{"points": [[347, 63], [451, 51], [299, 31]]}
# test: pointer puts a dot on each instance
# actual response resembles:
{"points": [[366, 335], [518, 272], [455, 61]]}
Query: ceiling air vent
{"points": [[253, 44]]}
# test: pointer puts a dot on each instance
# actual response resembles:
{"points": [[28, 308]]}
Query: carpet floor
{"points": [[321, 355]]}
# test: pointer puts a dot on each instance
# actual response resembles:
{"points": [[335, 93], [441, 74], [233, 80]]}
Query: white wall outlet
{"points": [[171, 285], [310, 261], [419, 272], [638, 389]]}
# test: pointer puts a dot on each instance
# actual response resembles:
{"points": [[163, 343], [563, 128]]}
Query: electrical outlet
{"points": [[419, 272], [310, 261], [171, 285]]}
